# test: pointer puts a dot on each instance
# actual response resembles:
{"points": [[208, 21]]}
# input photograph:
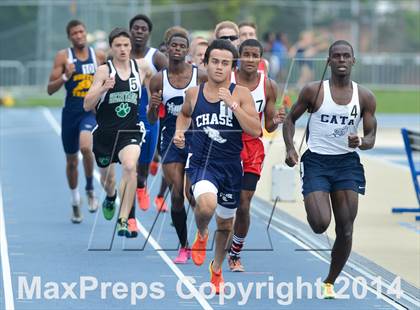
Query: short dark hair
{"points": [[179, 35], [340, 42], [143, 17], [73, 23], [118, 32], [221, 44], [253, 43]]}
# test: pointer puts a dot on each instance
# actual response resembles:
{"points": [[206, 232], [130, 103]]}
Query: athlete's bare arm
{"points": [[100, 57], [145, 72], [201, 76], [101, 83], [60, 67], [272, 118], [155, 87], [160, 61], [242, 104], [303, 103], [368, 106], [183, 120]]}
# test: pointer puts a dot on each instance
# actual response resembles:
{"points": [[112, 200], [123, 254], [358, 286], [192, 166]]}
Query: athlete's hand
{"points": [[292, 157], [156, 100], [226, 96], [280, 116], [179, 139], [108, 83], [69, 69], [354, 141]]}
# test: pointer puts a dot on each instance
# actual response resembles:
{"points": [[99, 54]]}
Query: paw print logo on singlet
{"points": [[123, 109], [104, 160]]}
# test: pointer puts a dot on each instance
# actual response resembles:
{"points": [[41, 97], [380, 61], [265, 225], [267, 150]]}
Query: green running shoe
{"points": [[108, 209]]}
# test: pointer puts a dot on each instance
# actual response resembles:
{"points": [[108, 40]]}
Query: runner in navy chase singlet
{"points": [[219, 112]]}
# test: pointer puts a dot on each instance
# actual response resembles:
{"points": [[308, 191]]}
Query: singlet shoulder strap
{"points": [[232, 87], [194, 77], [70, 57], [136, 73], [93, 56], [112, 71], [327, 91]]}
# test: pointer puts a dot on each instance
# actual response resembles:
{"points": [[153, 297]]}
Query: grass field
{"points": [[387, 101], [393, 101]]}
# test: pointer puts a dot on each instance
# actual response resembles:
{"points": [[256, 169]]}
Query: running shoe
{"points": [[328, 291], [216, 278], [122, 228], [153, 168], [93, 203], [198, 250], [235, 264], [160, 204], [184, 255], [132, 228], [143, 198], [108, 209], [76, 217]]}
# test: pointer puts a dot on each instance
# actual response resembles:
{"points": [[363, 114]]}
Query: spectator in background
{"points": [[198, 49], [247, 30], [308, 46], [227, 30]]}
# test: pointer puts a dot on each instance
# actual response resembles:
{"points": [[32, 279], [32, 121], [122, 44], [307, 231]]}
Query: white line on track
{"points": [[350, 264], [200, 298], [4, 252]]}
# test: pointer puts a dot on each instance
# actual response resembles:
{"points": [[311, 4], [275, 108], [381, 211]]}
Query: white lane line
{"points": [[181, 276], [349, 264], [5, 264]]}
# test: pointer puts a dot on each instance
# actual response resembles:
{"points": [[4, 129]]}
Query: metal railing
{"points": [[379, 71]]}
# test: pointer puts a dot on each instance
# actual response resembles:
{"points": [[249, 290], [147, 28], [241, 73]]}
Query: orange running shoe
{"points": [[132, 228], [160, 204], [143, 198], [153, 168], [235, 264], [216, 278], [198, 249]]}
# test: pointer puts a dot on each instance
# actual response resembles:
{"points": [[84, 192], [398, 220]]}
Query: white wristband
{"points": [[64, 77], [360, 141]]}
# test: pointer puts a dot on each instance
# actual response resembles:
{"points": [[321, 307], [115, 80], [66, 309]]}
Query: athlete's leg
{"points": [[87, 124], [318, 210], [206, 196], [344, 205], [128, 157], [108, 180], [204, 210], [174, 176], [187, 191], [86, 150], [71, 170], [70, 139], [224, 230], [242, 221], [163, 187], [142, 173]]}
